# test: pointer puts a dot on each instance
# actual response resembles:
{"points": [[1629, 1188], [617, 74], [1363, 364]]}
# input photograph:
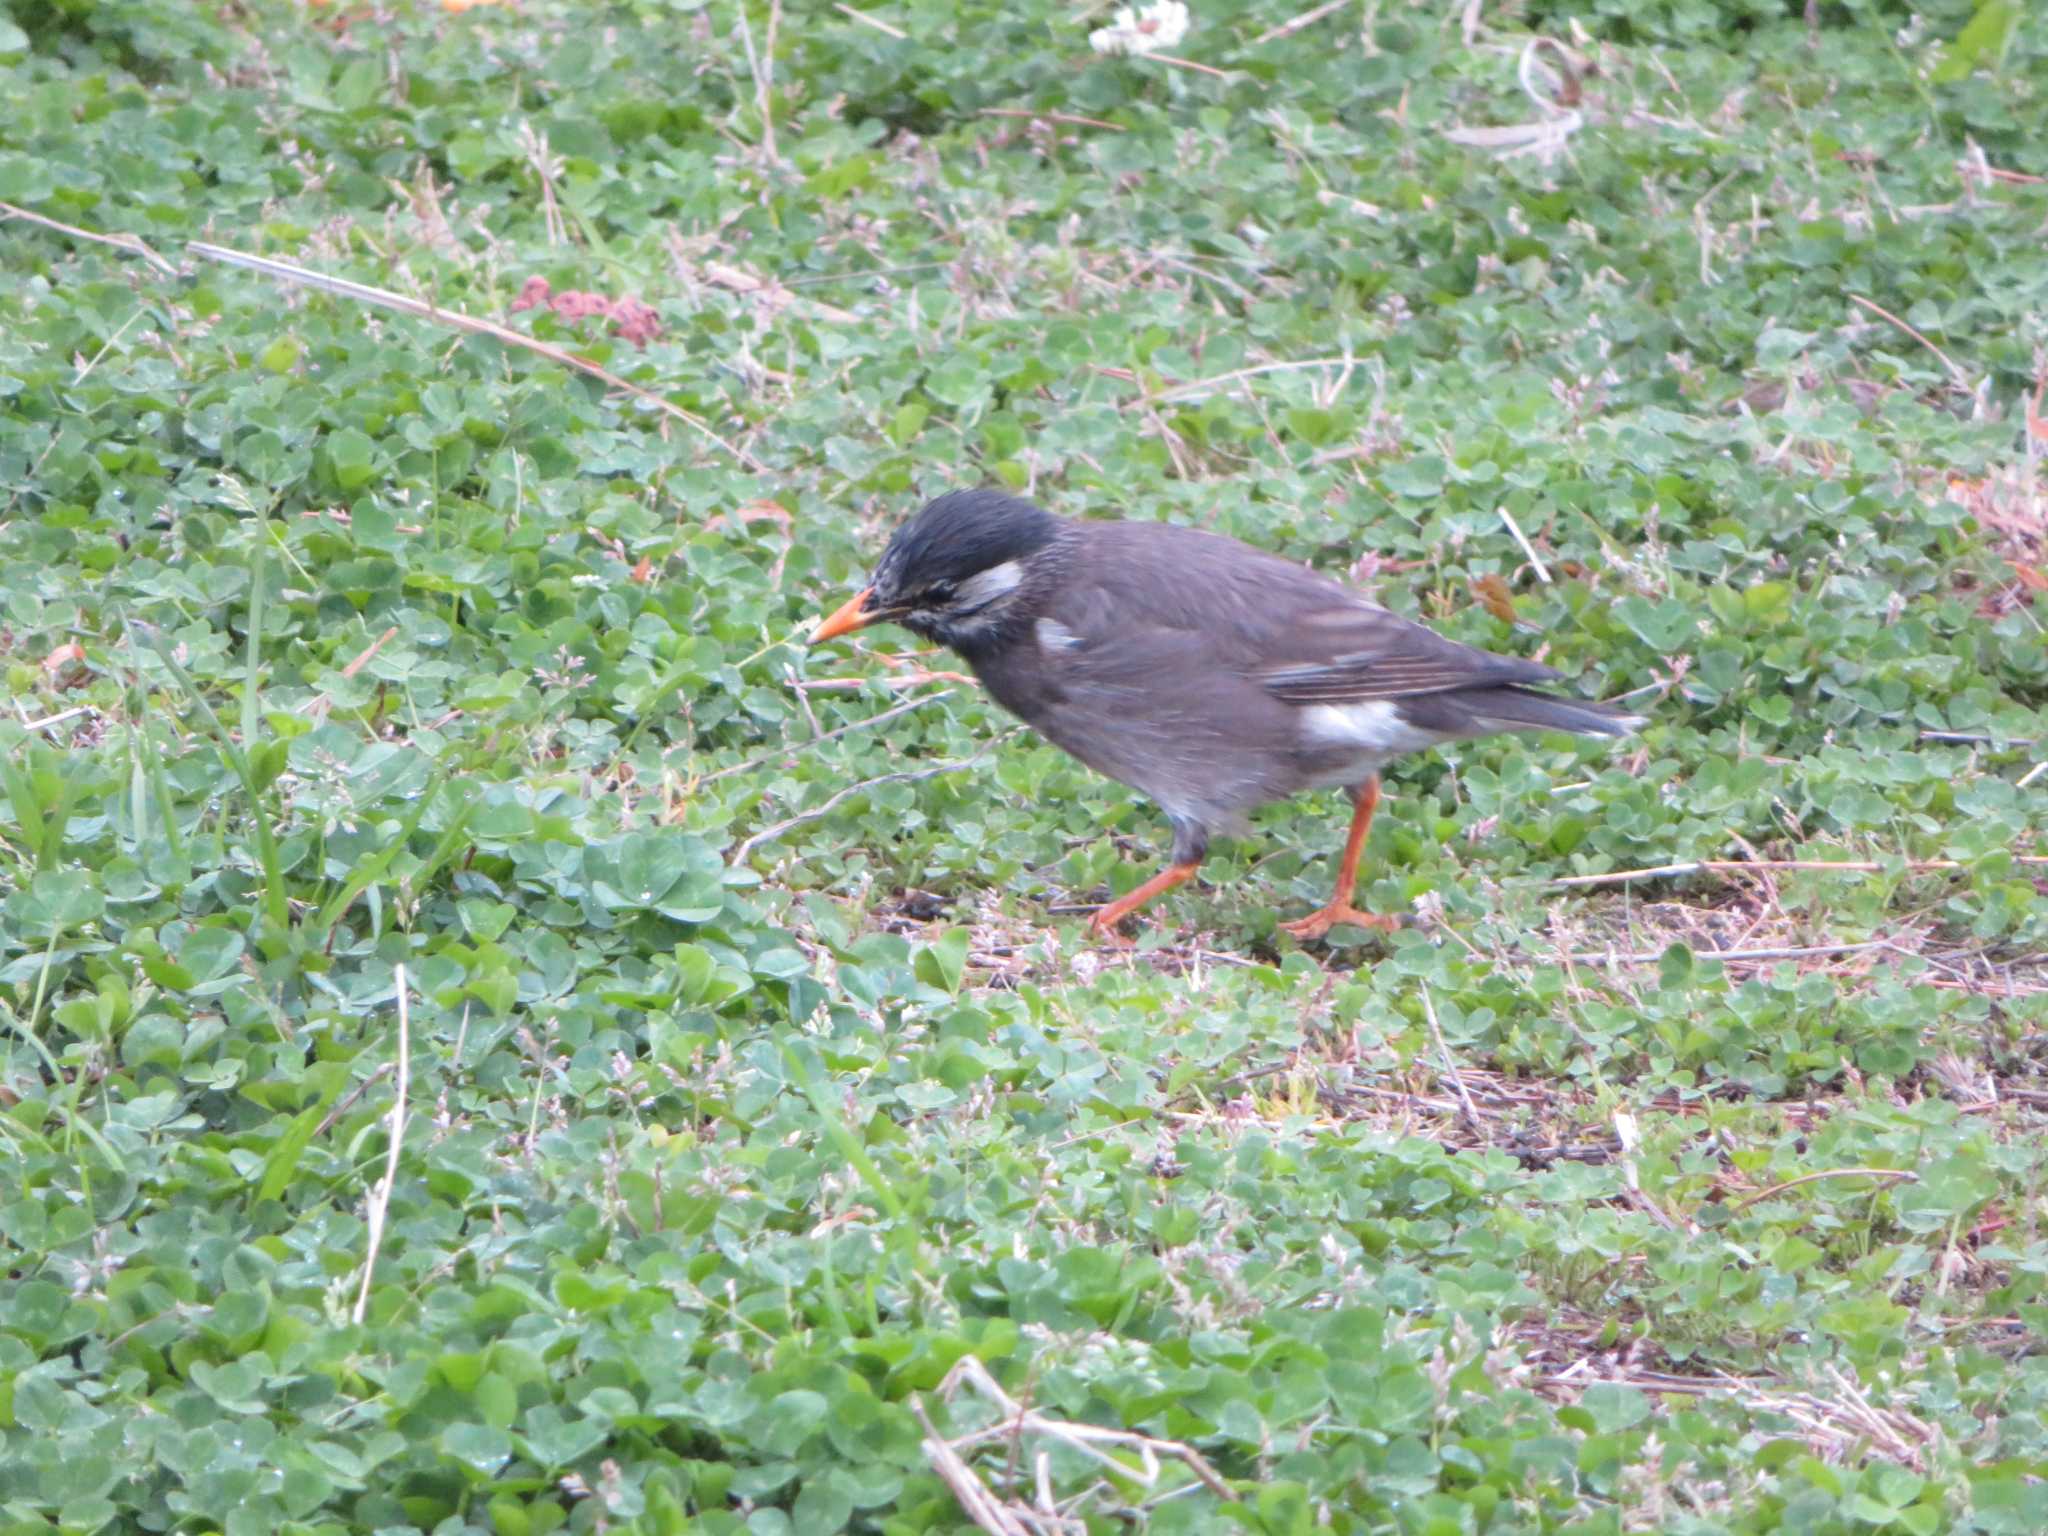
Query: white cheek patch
{"points": [[1055, 636], [1373, 725], [984, 587]]}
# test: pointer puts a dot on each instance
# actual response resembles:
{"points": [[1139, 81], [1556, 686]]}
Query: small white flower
{"points": [[1161, 24]]}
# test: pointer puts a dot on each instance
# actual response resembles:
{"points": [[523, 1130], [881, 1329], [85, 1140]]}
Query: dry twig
{"points": [[1956, 375], [1294, 24], [1892, 1175], [1180, 63], [1181, 391], [1557, 118], [384, 298], [1748, 866], [48, 721], [1626, 1134], [1835, 1428], [866, 20], [762, 67], [348, 1100], [1521, 538], [1785, 952], [845, 730], [804, 685], [770, 834], [980, 1506], [320, 706], [1072, 119], [133, 244], [1466, 1112], [1015, 1421]]}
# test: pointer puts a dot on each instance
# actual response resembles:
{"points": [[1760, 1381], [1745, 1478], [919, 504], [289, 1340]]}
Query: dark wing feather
{"points": [[1304, 638], [1356, 653]]}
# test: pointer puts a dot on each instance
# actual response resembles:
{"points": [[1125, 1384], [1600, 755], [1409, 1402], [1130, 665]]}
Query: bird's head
{"points": [[953, 572]]}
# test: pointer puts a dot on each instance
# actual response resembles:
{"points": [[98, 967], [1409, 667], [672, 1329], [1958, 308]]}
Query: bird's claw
{"points": [[1323, 919], [1107, 935]]}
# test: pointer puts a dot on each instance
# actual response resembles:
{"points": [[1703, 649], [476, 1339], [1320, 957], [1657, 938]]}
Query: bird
{"points": [[1208, 675]]}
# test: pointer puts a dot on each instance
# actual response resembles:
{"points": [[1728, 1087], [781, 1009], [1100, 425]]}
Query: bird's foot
{"points": [[1107, 934], [1103, 925], [1323, 919]]}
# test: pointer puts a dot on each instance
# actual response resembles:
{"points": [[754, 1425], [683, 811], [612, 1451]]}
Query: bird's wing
{"points": [[1356, 653], [1302, 637]]}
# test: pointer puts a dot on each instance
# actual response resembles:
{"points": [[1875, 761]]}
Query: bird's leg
{"points": [[1339, 908], [1102, 926]]}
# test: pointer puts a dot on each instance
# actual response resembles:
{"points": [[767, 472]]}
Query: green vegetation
{"points": [[425, 843]]}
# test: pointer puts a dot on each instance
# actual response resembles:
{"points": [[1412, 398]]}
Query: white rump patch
{"points": [[1373, 725], [1055, 636], [1337, 618]]}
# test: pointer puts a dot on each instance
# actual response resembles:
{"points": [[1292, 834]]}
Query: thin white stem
{"points": [[380, 1197], [1521, 538]]}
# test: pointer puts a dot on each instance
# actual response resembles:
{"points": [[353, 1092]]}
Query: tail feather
{"points": [[1525, 709]]}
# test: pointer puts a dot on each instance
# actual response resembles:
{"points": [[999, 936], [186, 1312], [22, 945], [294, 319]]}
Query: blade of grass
{"points": [[166, 807], [253, 650], [374, 868], [28, 810], [283, 1160], [75, 1123], [276, 908], [843, 1138], [149, 771], [28, 1033], [70, 787], [138, 788]]}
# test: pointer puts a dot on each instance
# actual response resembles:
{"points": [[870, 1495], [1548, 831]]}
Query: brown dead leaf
{"points": [[1493, 595], [762, 511], [363, 657], [630, 317], [69, 654]]}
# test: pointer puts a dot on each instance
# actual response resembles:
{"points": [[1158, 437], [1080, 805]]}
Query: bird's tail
{"points": [[1524, 709]]}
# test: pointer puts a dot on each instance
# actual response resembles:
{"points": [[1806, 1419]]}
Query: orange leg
{"points": [[1339, 908], [1103, 924]]}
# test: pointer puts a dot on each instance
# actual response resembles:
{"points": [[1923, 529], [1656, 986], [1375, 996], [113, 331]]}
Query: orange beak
{"points": [[845, 619]]}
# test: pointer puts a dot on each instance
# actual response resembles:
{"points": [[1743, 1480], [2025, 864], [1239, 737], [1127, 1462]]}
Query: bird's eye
{"points": [[939, 592]]}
